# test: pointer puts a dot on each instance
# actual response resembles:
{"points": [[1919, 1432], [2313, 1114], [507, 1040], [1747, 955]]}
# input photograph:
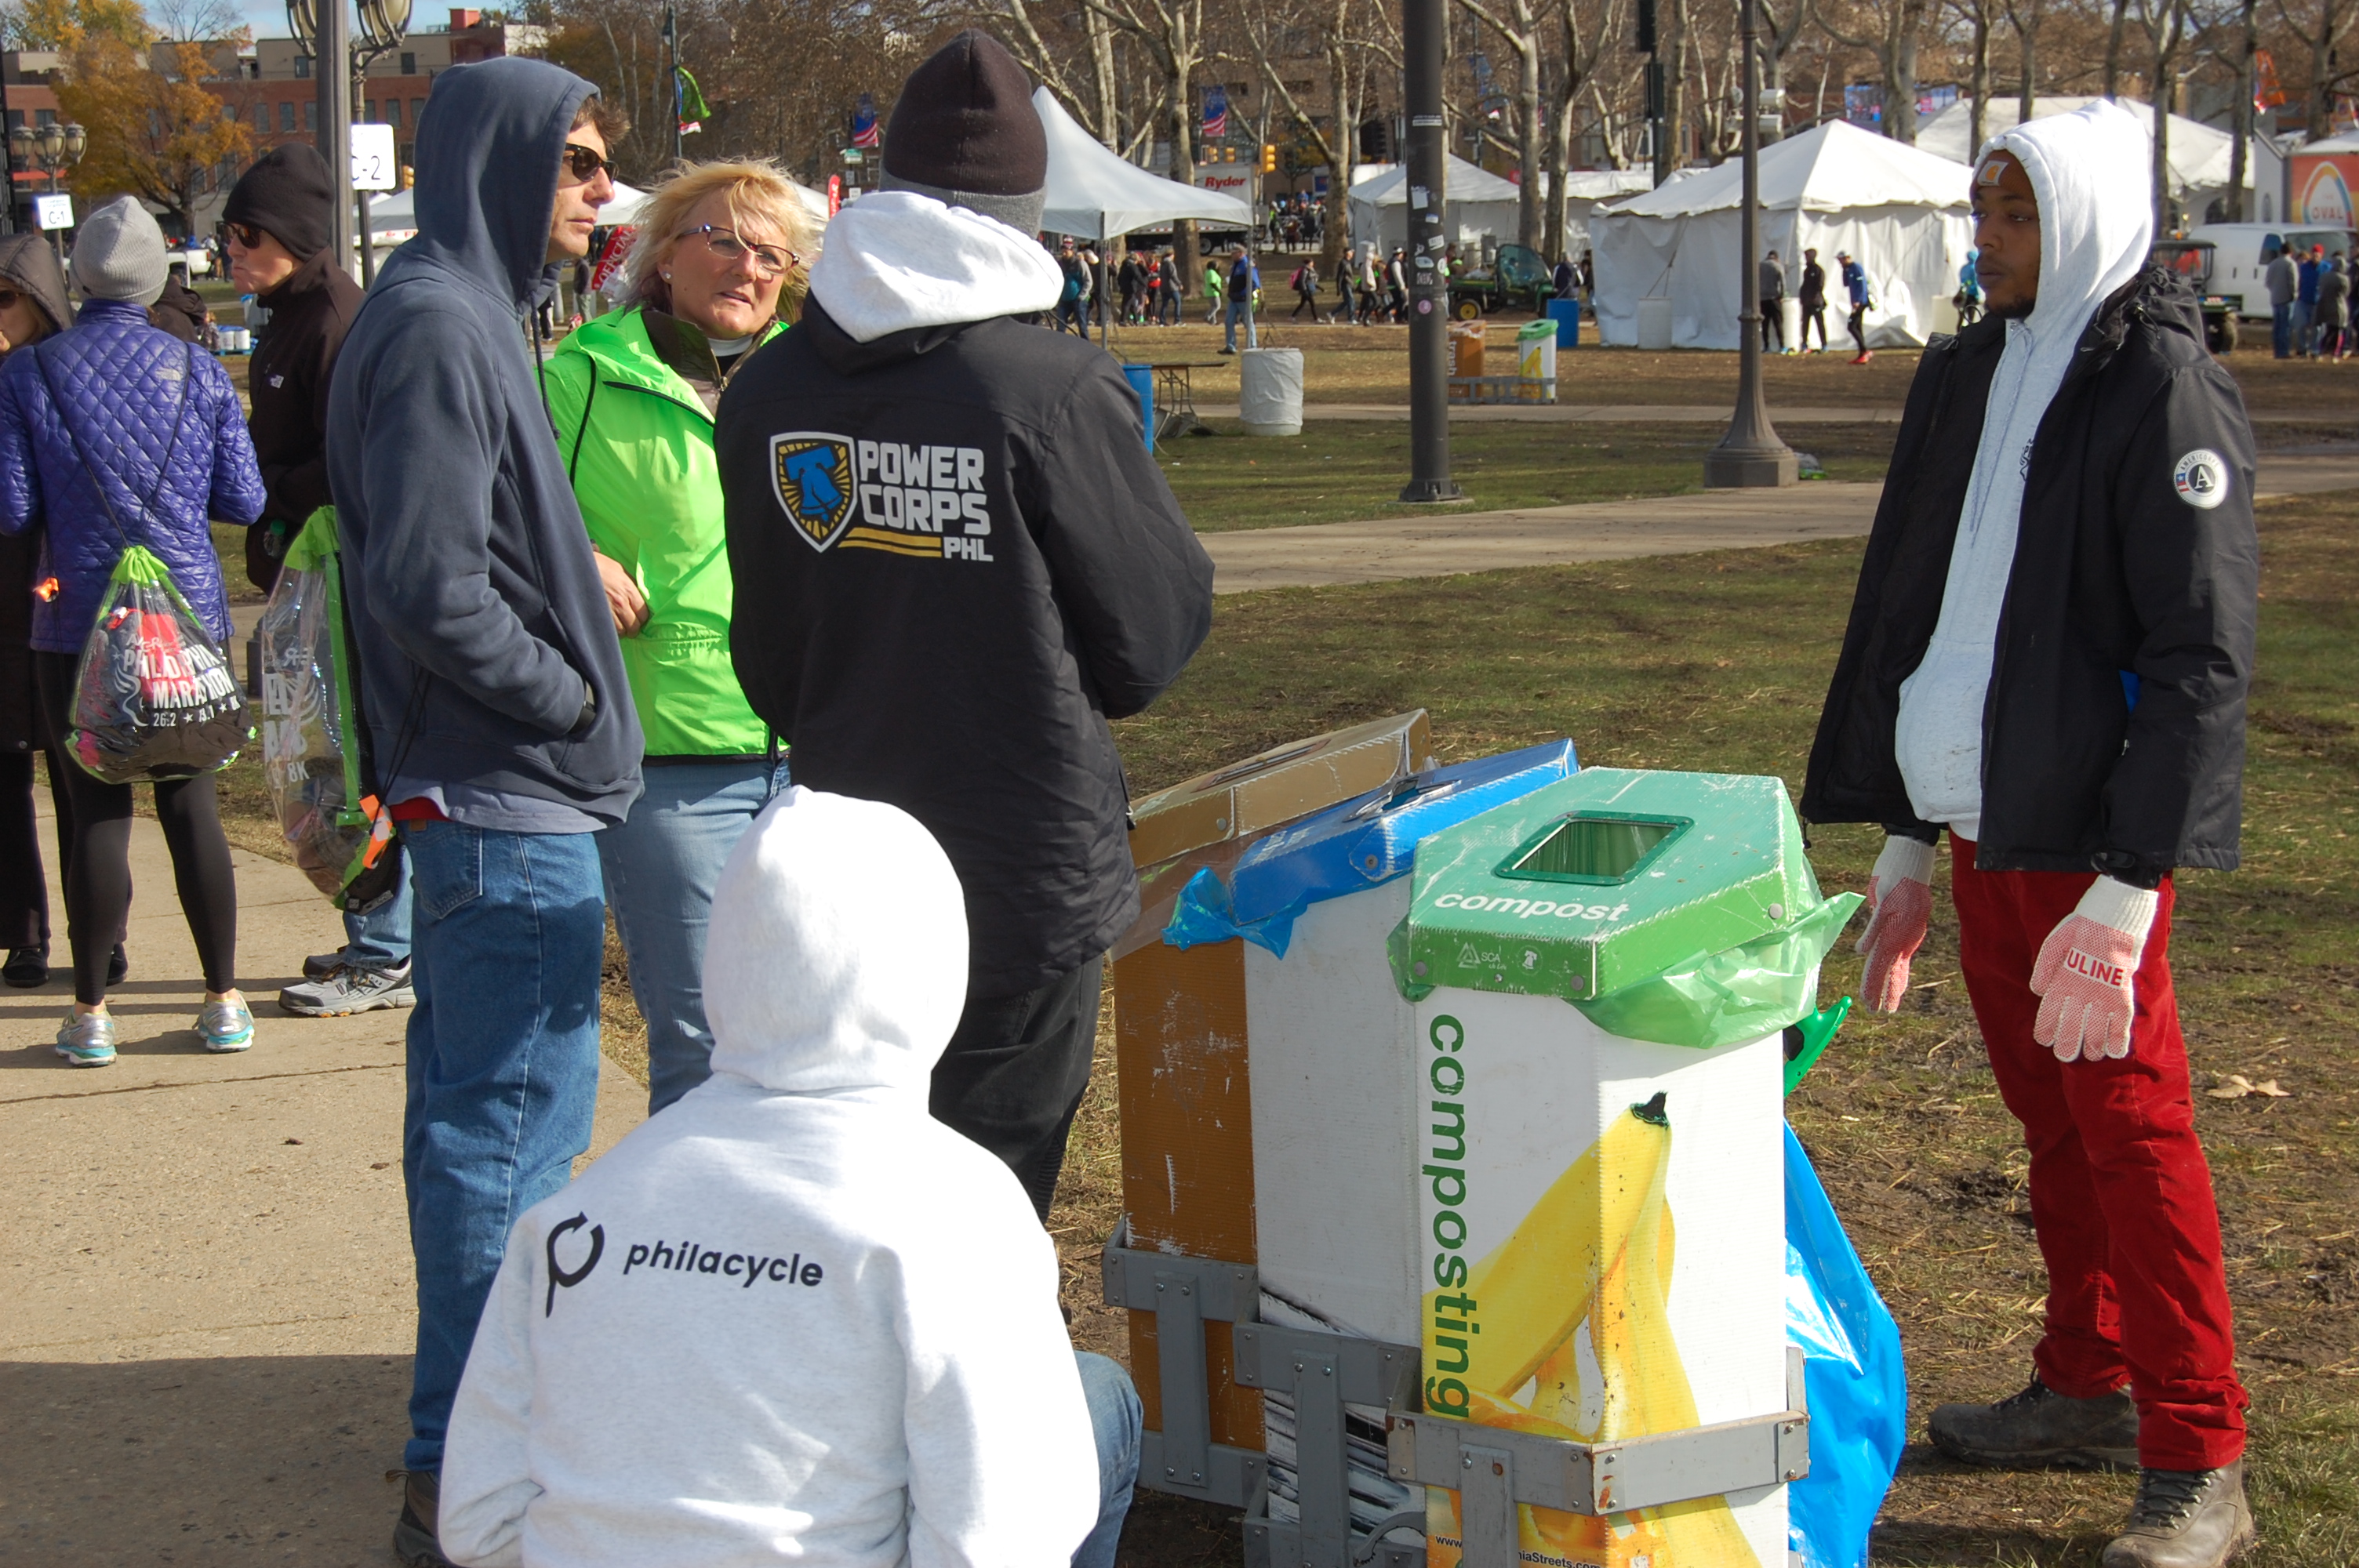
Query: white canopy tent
{"points": [[2198, 154], [1901, 214], [1480, 203], [1586, 189], [1094, 193]]}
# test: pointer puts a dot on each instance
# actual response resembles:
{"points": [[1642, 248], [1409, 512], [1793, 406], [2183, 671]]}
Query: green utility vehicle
{"points": [[1519, 277], [2194, 259]]}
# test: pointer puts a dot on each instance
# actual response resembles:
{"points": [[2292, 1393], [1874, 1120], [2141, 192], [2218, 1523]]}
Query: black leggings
{"points": [[1813, 316], [98, 866], [1858, 326], [24, 892]]}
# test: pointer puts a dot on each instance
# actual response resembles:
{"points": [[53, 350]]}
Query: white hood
{"points": [[2088, 169], [792, 1318], [837, 958], [897, 260]]}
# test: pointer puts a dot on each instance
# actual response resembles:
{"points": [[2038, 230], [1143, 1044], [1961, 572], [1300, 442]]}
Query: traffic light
{"points": [[1646, 26], [1269, 158]]}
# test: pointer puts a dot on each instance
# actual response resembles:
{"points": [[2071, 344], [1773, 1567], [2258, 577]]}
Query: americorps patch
{"points": [[2201, 478]]}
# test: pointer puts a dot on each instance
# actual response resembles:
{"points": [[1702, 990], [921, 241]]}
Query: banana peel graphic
{"points": [[1574, 1341]]}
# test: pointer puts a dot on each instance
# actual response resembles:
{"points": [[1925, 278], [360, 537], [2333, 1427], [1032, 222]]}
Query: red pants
{"points": [[2121, 1195]]}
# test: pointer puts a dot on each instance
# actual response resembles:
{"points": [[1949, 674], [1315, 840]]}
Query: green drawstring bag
{"points": [[154, 698]]}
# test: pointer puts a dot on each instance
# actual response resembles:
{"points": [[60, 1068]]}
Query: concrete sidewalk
{"points": [[1444, 543], [206, 1296]]}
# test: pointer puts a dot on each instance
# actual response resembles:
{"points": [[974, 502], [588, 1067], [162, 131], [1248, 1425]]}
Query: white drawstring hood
{"points": [[792, 1317], [895, 260], [2095, 229]]}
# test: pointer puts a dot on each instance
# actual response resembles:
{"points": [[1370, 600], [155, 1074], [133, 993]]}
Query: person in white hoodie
{"points": [[2049, 656], [794, 1319]]}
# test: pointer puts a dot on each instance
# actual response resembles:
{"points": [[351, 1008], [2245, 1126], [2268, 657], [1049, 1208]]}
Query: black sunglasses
{"points": [[584, 162], [246, 234]]}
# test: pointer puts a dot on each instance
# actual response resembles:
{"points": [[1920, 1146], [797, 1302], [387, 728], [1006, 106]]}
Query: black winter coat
{"points": [[954, 561], [2114, 732], [288, 381]]}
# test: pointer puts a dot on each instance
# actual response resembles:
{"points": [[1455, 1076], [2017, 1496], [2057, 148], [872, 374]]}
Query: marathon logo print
{"points": [[927, 501]]}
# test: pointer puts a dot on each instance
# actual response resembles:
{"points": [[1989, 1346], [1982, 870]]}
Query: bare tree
{"points": [[2113, 37], [1980, 15], [1576, 74], [2240, 147], [1518, 23], [197, 21], [1893, 44], [2330, 68], [1171, 33], [2169, 32], [2023, 16], [1779, 37], [1346, 56]]}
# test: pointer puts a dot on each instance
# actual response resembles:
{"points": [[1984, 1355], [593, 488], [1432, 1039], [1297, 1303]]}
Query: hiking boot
{"points": [[224, 1026], [2040, 1427], [415, 1541], [26, 968], [87, 1039], [319, 966], [348, 990], [2185, 1519]]}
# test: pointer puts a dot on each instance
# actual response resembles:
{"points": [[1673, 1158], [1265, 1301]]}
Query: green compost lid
{"points": [[1679, 908]]}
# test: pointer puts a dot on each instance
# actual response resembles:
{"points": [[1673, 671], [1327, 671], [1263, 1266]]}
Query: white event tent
{"points": [[1901, 211], [2198, 154], [1479, 203], [1094, 193], [1586, 189]]}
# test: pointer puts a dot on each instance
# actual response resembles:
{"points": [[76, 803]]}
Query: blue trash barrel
{"points": [[1142, 382], [1566, 314]]}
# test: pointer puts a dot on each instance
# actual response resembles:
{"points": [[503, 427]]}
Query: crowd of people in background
{"points": [[2309, 304]]}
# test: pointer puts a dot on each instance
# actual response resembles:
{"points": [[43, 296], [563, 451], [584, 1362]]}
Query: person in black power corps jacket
{"points": [[955, 560], [2049, 656]]}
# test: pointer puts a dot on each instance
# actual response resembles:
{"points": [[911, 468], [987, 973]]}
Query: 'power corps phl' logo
{"points": [[927, 501]]}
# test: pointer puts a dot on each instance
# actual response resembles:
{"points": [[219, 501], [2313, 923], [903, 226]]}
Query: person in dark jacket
{"points": [[503, 724], [32, 307], [955, 559], [113, 434], [2049, 656], [178, 310], [1773, 301], [278, 216], [1813, 297]]}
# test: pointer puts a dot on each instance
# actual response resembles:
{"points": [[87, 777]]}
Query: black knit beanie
{"points": [[289, 196], [965, 133]]}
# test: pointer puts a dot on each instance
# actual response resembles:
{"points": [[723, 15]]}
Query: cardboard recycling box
{"points": [[1262, 1108], [1602, 972]]}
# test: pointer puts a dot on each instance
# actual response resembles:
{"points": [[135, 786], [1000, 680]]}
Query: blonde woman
{"points": [[717, 271]]}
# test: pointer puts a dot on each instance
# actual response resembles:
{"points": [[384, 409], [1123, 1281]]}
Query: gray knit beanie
{"points": [[119, 255]]}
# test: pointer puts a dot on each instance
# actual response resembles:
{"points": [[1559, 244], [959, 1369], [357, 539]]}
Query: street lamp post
{"points": [[341, 62], [51, 148], [1424, 36], [1750, 456]]}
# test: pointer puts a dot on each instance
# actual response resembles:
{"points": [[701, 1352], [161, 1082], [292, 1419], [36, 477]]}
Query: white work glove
{"points": [[2086, 973], [1899, 904]]}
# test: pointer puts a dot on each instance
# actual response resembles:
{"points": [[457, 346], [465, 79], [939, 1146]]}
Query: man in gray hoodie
{"points": [[502, 725]]}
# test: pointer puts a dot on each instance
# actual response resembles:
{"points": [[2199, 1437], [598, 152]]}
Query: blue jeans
{"points": [[1241, 309], [1115, 1420], [507, 935], [2302, 310], [661, 867], [2281, 330], [380, 939]]}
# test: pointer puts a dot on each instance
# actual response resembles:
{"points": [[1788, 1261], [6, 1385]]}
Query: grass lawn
{"points": [[1719, 662], [1338, 471]]}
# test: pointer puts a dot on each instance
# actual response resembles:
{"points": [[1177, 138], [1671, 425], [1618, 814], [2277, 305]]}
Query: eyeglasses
{"points": [[584, 163], [247, 237], [769, 261]]}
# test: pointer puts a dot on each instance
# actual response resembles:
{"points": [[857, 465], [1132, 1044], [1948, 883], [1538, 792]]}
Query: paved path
{"points": [[206, 1297], [1654, 414], [1443, 542]]}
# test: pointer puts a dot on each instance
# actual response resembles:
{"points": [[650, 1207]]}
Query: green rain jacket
{"points": [[637, 444]]}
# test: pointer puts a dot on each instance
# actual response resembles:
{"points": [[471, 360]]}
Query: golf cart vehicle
{"points": [[2240, 271], [1518, 277], [2196, 261]]}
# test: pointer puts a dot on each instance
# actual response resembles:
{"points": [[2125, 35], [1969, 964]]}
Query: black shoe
{"points": [[26, 967], [2038, 1428], [415, 1542], [2185, 1519], [118, 966]]}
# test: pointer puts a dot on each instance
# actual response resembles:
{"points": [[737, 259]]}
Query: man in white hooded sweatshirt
{"points": [[794, 1319], [2049, 656]]}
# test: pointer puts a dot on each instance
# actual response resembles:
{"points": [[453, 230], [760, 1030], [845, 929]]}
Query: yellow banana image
{"points": [[1594, 1253]]}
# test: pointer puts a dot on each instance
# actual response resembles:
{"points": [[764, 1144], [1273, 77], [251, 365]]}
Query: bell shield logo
{"points": [[810, 472]]}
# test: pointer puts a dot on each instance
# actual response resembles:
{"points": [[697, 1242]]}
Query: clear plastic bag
{"points": [[153, 697]]}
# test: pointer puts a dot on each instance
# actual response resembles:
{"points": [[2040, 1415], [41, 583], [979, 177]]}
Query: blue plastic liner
{"points": [[1852, 1366], [1362, 843]]}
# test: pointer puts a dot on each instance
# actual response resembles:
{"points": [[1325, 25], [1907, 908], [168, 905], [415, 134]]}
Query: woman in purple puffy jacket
{"points": [[114, 433]]}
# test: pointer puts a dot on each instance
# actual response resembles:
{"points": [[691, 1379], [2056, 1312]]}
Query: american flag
{"points": [[1216, 113], [865, 132]]}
